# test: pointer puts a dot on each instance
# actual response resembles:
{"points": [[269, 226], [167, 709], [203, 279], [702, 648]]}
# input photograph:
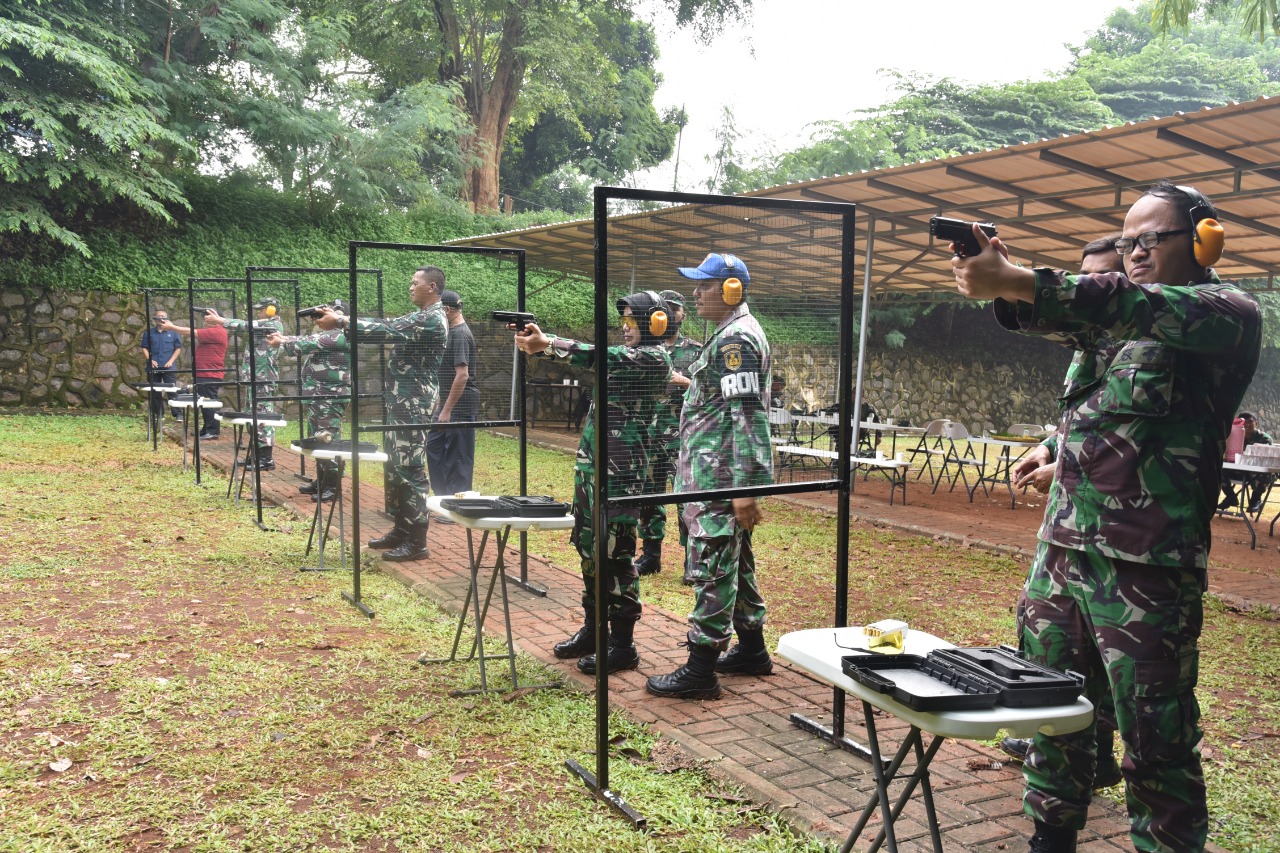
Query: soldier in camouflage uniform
{"points": [[418, 340], [638, 372], [1115, 589], [326, 375], [262, 375], [724, 443], [665, 435]]}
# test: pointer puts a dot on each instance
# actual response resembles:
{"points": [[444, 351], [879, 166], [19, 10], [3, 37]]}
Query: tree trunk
{"points": [[489, 106]]}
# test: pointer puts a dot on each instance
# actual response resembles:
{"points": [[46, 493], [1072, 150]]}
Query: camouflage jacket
{"points": [[637, 380], [327, 369], [724, 425], [264, 357], [419, 340], [666, 419], [1144, 421]]}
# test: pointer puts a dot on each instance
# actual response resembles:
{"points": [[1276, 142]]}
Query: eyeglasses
{"points": [[1148, 241], [629, 324]]}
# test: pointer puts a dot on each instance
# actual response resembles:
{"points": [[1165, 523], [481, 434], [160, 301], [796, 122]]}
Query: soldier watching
{"points": [[1115, 588], [638, 374], [326, 376], [724, 443], [665, 435]]}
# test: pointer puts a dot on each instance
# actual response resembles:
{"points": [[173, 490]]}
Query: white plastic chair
{"points": [[1031, 430]]}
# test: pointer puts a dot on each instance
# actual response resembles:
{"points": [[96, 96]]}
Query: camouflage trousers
{"points": [[325, 416], [266, 434], [653, 519], [621, 580], [722, 572], [1130, 629], [404, 474]]}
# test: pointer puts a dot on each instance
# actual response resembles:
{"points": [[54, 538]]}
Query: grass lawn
{"points": [[168, 679]]}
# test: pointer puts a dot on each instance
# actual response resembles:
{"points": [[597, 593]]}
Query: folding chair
{"points": [[932, 446], [953, 432]]}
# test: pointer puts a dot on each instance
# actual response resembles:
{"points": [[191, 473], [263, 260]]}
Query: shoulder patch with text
{"points": [[739, 365]]}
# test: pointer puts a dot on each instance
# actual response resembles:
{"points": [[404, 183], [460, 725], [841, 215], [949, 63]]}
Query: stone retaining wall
{"points": [[80, 350]]}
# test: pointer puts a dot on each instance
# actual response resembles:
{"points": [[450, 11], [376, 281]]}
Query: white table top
{"points": [[323, 453], [881, 426], [560, 522], [1003, 442], [817, 653], [1251, 469], [205, 403], [243, 421], [166, 389]]}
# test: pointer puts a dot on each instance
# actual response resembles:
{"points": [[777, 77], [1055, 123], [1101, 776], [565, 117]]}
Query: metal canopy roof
{"points": [[1047, 198]]}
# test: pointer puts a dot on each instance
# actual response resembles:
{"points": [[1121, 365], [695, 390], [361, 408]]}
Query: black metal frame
{"points": [[598, 783]]}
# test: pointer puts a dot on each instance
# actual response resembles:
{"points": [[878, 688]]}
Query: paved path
{"points": [[747, 735]]}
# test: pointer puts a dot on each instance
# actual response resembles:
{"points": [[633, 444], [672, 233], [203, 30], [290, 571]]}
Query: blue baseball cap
{"points": [[718, 266]]}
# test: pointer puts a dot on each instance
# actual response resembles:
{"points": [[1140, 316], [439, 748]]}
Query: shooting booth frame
{"points": [[598, 782], [353, 339]]}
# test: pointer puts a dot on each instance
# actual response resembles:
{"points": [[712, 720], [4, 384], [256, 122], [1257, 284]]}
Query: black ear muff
{"points": [[1207, 235], [658, 323], [731, 291]]}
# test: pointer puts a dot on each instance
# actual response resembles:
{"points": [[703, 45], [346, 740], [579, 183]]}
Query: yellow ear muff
{"points": [[731, 291], [658, 323], [271, 310], [1209, 240]]}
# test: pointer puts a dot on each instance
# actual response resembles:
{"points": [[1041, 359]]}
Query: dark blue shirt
{"points": [[161, 345]]}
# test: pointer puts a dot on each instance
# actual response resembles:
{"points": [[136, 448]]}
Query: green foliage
{"points": [[80, 127], [1258, 18]]}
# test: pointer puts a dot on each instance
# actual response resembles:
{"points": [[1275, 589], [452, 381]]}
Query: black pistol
{"points": [[308, 313], [960, 232], [516, 318], [200, 312]]}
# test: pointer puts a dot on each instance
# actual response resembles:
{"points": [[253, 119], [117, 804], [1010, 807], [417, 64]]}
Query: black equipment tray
{"points": [[533, 506], [1022, 683], [921, 682], [475, 507], [341, 445]]}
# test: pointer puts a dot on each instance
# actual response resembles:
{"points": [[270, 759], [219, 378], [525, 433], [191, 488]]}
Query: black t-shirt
{"points": [[461, 349]]}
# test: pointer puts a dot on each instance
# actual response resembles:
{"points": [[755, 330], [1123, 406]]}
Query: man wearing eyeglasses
{"points": [[1115, 588]]}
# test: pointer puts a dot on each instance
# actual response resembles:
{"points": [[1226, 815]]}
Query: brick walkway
{"points": [[746, 736]]}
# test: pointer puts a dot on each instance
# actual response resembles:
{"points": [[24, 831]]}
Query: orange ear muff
{"points": [[1209, 240], [271, 310], [731, 291], [658, 323]]}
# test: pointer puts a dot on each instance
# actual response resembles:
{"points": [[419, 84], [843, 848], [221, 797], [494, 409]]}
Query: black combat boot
{"points": [[1107, 772], [311, 487], [1052, 839], [1016, 747], [581, 643], [330, 481], [695, 680], [414, 546], [622, 649], [394, 537], [749, 657], [650, 562], [262, 460]]}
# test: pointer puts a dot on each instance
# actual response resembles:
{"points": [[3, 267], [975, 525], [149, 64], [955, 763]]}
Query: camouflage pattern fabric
{"points": [[325, 373], [1144, 425], [665, 447], [1131, 632], [418, 340], [263, 380], [1142, 439], [724, 443], [637, 379]]}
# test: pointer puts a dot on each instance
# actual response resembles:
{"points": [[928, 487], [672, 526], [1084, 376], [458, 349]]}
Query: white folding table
{"points": [[187, 402], [818, 651], [240, 422], [320, 523], [501, 527]]}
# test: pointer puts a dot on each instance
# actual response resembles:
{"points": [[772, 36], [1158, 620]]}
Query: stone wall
{"points": [[80, 349]]}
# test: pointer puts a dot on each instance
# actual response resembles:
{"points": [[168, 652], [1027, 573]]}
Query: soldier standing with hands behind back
{"points": [[724, 443], [1115, 588]]}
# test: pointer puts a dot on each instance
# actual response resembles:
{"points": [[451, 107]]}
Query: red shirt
{"points": [[211, 352]]}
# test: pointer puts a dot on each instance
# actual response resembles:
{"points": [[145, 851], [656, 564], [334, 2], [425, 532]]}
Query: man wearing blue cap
{"points": [[724, 444]]}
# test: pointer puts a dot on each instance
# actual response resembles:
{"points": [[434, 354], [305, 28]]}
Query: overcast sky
{"points": [[802, 61]]}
